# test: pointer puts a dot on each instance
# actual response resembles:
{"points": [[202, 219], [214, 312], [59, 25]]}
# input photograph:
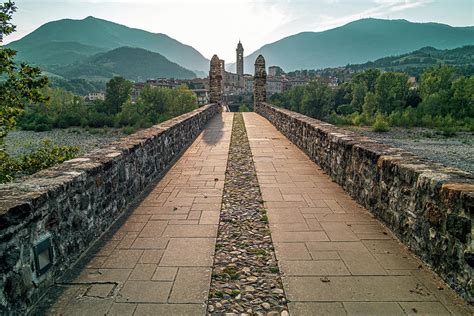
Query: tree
{"points": [[437, 79], [154, 100], [295, 98], [358, 94], [368, 78], [343, 94], [391, 91], [462, 101], [436, 90], [183, 100], [22, 83], [370, 104], [318, 100], [118, 91]]}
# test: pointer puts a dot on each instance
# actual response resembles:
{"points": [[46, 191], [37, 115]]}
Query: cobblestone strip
{"points": [[245, 277]]}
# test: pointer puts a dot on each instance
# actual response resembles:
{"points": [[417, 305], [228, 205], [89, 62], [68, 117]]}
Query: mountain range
{"points": [[135, 64], [97, 49], [358, 42], [51, 43]]}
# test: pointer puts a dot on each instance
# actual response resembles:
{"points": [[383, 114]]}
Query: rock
{"points": [[243, 239], [277, 291]]}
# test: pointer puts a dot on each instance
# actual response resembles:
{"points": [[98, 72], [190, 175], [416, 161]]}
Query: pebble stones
{"points": [[245, 277]]}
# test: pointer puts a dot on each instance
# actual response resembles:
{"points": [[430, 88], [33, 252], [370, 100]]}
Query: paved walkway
{"points": [[334, 256], [159, 261]]}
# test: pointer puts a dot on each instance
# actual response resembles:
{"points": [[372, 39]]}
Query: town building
{"points": [[273, 71], [274, 85], [234, 83], [94, 96]]}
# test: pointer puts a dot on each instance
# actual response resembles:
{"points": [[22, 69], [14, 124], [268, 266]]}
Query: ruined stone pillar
{"points": [[215, 80], [259, 82]]}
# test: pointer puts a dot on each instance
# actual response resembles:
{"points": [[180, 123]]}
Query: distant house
{"points": [[412, 81], [94, 96], [202, 96], [274, 86]]}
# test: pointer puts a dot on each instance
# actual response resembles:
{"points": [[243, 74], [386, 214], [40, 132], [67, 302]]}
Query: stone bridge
{"points": [[258, 213]]}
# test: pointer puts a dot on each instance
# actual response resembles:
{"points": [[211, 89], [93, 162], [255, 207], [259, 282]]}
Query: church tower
{"points": [[240, 59]]}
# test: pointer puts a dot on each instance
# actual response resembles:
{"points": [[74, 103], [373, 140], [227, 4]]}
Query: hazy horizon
{"points": [[212, 27]]}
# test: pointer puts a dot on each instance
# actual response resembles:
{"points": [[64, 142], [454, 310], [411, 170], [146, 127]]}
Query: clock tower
{"points": [[240, 59]]}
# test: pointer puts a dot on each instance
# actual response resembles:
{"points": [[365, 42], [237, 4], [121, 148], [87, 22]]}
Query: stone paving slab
{"points": [[335, 257], [159, 261]]}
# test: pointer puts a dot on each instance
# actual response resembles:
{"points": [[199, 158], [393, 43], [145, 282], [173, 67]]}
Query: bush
{"points": [[244, 108], [356, 119], [42, 127], [129, 129], [449, 131], [68, 120], [46, 156], [346, 109], [98, 119], [339, 120], [8, 167], [380, 124]]}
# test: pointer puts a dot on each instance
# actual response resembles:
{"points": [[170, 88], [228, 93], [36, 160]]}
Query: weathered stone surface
{"points": [[215, 80], [75, 202], [427, 206], [260, 81]]}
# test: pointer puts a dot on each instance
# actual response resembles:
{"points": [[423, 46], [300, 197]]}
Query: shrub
{"points": [[43, 127], [449, 131], [129, 129], [46, 156], [380, 124], [68, 120], [98, 119], [8, 167], [244, 108], [339, 119], [346, 109], [356, 119]]}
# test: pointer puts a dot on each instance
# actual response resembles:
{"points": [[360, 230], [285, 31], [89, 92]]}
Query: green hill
{"points": [[92, 35], [132, 63], [425, 57], [359, 42], [56, 53]]}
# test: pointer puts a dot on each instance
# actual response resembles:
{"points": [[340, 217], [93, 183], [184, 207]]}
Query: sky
{"points": [[215, 26]]}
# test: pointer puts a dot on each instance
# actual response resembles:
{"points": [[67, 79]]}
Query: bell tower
{"points": [[240, 59]]}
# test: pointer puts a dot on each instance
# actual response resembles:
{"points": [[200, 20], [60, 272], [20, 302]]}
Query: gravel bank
{"points": [[455, 151], [21, 142]]}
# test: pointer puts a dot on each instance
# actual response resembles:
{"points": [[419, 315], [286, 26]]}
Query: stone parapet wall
{"points": [[77, 201], [429, 207]]}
